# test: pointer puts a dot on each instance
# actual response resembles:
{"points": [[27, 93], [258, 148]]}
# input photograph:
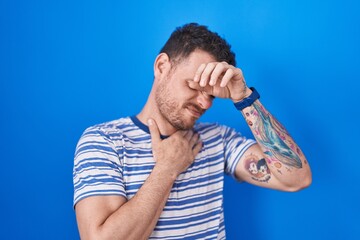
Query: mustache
{"points": [[196, 107]]}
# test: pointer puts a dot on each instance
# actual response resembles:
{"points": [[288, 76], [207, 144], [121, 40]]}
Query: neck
{"points": [[151, 110]]}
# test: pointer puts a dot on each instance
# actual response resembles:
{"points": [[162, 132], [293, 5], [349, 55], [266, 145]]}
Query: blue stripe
{"points": [[207, 178], [94, 162], [96, 147], [195, 233], [94, 180], [196, 182], [188, 219], [192, 200], [212, 140], [205, 162], [138, 151], [98, 193], [196, 204], [204, 235], [195, 195], [210, 219]]}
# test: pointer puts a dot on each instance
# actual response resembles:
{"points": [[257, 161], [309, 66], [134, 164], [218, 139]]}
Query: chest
{"points": [[204, 175]]}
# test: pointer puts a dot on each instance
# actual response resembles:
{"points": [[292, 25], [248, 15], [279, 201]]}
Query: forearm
{"points": [[137, 218], [283, 156]]}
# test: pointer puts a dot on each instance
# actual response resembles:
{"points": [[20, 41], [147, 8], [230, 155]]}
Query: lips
{"points": [[195, 111]]}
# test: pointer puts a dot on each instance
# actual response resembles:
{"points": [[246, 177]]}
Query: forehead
{"points": [[193, 61]]}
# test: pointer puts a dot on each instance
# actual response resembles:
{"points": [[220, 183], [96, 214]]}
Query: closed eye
{"points": [[208, 95], [198, 88]]}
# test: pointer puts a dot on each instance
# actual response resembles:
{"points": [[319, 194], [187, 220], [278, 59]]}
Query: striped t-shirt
{"points": [[115, 158]]}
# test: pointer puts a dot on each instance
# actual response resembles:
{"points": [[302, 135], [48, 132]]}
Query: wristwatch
{"points": [[248, 101]]}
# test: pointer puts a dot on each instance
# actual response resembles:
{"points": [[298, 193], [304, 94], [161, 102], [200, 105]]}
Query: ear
{"points": [[162, 65]]}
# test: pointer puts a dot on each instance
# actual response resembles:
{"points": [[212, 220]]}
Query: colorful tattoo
{"points": [[258, 169], [272, 136]]}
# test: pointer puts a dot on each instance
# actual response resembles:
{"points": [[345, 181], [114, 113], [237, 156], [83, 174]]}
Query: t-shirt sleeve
{"points": [[97, 167], [235, 146]]}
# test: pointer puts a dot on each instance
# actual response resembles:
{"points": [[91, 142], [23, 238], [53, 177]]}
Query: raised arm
{"points": [[113, 217], [275, 161]]}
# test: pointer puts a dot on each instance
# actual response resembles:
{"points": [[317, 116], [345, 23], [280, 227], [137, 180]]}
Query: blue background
{"points": [[66, 65]]}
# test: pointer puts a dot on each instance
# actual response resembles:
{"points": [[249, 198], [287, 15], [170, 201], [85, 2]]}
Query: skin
{"points": [[179, 96]]}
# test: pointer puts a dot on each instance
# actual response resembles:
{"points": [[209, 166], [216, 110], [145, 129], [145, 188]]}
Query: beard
{"points": [[173, 111]]}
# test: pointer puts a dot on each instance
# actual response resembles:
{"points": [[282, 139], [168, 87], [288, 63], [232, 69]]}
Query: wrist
{"points": [[165, 172], [247, 101], [246, 94]]}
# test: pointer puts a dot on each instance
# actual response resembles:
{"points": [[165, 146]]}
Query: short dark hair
{"points": [[192, 36]]}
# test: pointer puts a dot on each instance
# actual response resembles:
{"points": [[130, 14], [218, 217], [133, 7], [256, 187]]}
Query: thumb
{"points": [[154, 131]]}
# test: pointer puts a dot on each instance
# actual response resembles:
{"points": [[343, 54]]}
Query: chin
{"points": [[183, 124]]}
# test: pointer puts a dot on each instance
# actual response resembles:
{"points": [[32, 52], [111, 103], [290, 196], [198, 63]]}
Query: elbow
{"points": [[301, 184]]}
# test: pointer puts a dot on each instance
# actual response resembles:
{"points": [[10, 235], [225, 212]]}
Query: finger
{"points": [[219, 69], [154, 131], [194, 139], [227, 77], [194, 85], [197, 148], [206, 74], [188, 135], [198, 72]]}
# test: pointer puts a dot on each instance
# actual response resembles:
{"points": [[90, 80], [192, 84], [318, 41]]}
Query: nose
{"points": [[204, 100]]}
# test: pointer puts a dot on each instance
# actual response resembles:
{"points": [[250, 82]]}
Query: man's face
{"points": [[180, 105]]}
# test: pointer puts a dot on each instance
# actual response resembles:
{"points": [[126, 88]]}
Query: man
{"points": [[158, 174]]}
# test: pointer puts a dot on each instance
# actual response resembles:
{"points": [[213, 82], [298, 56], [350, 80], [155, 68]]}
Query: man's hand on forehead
{"points": [[216, 72], [220, 79]]}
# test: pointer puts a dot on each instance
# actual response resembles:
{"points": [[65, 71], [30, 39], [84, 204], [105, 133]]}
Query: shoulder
{"points": [[107, 129], [106, 138], [103, 134]]}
